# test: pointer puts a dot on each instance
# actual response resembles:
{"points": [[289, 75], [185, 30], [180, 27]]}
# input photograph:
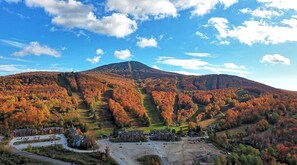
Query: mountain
{"points": [[133, 95], [137, 70], [133, 69]]}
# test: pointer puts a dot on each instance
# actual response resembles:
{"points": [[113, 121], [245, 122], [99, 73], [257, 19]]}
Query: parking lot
{"points": [[182, 152]]}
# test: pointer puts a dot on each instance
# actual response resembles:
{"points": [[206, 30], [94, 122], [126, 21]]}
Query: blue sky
{"points": [[256, 39]]}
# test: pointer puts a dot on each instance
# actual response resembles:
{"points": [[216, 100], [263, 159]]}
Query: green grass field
{"points": [[105, 119], [160, 127], [233, 131], [152, 111]]}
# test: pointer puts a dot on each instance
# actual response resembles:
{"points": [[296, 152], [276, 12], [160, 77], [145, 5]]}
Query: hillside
{"points": [[137, 70], [133, 69], [135, 96]]}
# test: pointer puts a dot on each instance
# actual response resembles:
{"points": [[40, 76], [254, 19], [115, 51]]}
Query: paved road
{"points": [[18, 148], [38, 157], [62, 141]]}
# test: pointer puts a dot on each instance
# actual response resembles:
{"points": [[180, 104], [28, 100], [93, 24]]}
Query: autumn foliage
{"points": [[91, 88], [268, 115], [31, 100], [165, 102], [186, 107], [130, 99], [120, 116]]}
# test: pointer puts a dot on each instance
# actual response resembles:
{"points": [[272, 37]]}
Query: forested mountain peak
{"points": [[137, 70], [132, 69]]}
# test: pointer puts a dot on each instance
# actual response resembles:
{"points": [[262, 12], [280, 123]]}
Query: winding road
{"points": [[40, 158], [18, 149]]}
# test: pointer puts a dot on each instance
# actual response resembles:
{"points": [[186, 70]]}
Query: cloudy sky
{"points": [[256, 39]]}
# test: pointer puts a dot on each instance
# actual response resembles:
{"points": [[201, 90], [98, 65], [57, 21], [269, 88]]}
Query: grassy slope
{"points": [[152, 111], [105, 116], [161, 127], [83, 115]]}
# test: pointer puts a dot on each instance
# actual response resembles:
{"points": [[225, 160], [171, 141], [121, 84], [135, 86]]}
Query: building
{"points": [[131, 136], [163, 135], [32, 132]]}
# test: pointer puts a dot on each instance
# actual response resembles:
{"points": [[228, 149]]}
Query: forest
{"points": [[245, 114]]}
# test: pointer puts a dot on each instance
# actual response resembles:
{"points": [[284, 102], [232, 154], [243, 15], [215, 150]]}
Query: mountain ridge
{"points": [[132, 67], [137, 70]]}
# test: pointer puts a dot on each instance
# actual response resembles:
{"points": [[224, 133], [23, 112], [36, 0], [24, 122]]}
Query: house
{"points": [[131, 136], [74, 139], [163, 135], [193, 134], [42, 131], [24, 132], [77, 140]]}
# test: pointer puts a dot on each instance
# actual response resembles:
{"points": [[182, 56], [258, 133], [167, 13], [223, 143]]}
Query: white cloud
{"points": [[251, 32], [233, 66], [13, 59], [13, 43], [291, 22], [194, 64], [99, 51], [34, 48], [146, 42], [224, 42], [156, 67], [122, 54], [8, 68], [202, 7], [187, 73], [64, 48], [143, 9], [221, 24], [275, 59], [161, 37], [12, 1], [280, 4], [74, 14], [261, 13], [94, 60], [13, 69], [219, 70], [201, 35], [230, 66], [198, 54]]}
